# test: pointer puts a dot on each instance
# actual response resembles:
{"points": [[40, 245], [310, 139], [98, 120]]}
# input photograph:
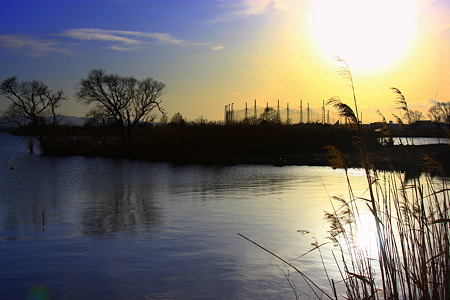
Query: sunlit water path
{"points": [[96, 228]]}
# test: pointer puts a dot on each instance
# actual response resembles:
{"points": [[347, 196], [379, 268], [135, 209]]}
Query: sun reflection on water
{"points": [[366, 235]]}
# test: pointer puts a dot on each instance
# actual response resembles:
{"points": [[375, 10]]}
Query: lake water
{"points": [[96, 228], [416, 140]]}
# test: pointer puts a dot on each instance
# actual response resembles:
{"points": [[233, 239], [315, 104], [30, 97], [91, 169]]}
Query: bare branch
{"points": [[33, 106], [127, 100]]}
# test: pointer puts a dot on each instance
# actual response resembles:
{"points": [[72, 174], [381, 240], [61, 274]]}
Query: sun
{"points": [[365, 33]]}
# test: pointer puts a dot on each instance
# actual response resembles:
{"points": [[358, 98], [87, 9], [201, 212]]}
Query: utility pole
{"points": [[323, 111], [287, 114], [225, 117], [308, 120], [278, 110], [232, 112], [301, 111], [246, 111]]}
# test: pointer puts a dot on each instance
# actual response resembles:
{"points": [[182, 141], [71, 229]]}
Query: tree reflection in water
{"points": [[120, 211]]}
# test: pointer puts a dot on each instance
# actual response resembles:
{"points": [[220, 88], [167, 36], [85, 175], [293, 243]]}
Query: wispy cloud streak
{"points": [[243, 9], [117, 40], [88, 34], [31, 46], [441, 11], [131, 40]]}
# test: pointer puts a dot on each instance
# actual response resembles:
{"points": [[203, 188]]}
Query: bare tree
{"points": [[201, 121], [164, 119], [270, 116], [415, 116], [127, 100], [440, 112], [33, 107], [177, 119]]}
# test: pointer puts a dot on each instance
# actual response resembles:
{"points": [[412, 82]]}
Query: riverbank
{"points": [[211, 144], [215, 144], [401, 158]]}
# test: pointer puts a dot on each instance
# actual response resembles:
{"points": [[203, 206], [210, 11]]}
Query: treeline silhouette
{"points": [[121, 123], [209, 143]]}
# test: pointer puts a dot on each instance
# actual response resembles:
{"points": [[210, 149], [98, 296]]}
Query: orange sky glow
{"points": [[214, 53]]}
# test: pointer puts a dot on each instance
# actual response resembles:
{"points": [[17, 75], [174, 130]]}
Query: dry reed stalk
{"points": [[412, 221]]}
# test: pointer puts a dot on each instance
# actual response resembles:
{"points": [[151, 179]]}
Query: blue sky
{"points": [[212, 53]]}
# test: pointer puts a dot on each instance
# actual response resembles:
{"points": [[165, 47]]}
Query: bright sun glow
{"points": [[366, 237], [365, 33]]}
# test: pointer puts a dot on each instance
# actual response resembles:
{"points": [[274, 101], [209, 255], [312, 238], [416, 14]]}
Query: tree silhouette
{"points": [[177, 119], [33, 107], [164, 119], [270, 116], [127, 100], [440, 112]]}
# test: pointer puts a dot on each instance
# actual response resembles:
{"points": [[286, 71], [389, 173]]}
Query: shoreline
{"points": [[400, 158], [389, 157]]}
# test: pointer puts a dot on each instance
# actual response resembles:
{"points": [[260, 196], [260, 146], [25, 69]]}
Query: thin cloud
{"points": [[216, 48], [164, 38], [446, 21], [440, 10], [31, 46], [434, 101], [116, 40], [117, 48], [131, 40], [244, 9], [88, 34]]}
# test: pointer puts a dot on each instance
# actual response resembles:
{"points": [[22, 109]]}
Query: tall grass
{"points": [[411, 234], [412, 228]]}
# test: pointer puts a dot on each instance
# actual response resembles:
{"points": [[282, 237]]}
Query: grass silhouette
{"points": [[411, 220]]}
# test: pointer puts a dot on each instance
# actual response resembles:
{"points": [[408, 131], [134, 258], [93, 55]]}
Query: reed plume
{"points": [[411, 220]]}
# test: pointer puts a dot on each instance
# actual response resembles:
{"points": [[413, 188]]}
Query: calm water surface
{"points": [[416, 140], [96, 228]]}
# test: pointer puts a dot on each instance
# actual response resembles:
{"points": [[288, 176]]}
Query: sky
{"points": [[211, 53]]}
